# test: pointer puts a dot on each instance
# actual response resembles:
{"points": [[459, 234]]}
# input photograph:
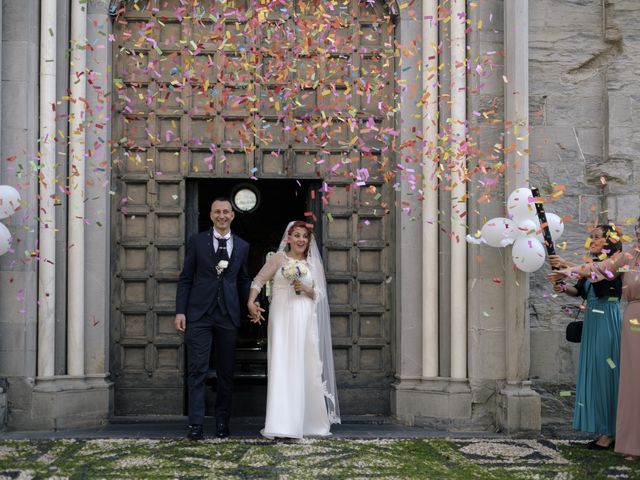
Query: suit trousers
{"points": [[213, 328]]}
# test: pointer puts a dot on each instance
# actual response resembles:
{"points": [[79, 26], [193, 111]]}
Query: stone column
{"points": [[97, 232], [80, 394], [77, 193], [417, 400], [430, 265], [3, 394], [518, 405], [408, 232], [458, 192], [47, 213]]}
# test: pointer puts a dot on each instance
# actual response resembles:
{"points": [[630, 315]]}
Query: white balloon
{"points": [[528, 228], [556, 226], [5, 239], [528, 254], [498, 230], [520, 205], [9, 201]]}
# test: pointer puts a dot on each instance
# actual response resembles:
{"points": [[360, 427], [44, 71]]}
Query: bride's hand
{"points": [[299, 286], [255, 312]]}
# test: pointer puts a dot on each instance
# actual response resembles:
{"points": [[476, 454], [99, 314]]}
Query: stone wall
{"points": [[19, 133], [585, 135]]}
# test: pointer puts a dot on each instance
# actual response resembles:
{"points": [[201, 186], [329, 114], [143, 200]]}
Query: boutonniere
{"points": [[220, 267]]}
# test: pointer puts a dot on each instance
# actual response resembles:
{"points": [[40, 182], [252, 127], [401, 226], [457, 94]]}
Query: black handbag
{"points": [[573, 333]]}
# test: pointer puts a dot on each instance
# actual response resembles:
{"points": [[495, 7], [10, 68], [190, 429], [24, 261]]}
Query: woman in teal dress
{"points": [[598, 372]]}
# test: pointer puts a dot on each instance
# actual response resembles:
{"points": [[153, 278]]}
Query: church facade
{"points": [[395, 128]]}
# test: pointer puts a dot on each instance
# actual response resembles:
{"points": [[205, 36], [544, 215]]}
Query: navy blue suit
{"points": [[211, 319]]}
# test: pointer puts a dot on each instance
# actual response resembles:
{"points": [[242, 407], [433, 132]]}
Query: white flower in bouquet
{"points": [[220, 267], [294, 270]]}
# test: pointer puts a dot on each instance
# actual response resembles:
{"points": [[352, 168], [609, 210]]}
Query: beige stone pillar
{"points": [[518, 405]]}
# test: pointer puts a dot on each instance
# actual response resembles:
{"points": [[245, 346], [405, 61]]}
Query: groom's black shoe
{"points": [[196, 432], [222, 429]]}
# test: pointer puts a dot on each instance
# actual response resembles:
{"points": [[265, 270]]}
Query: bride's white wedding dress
{"points": [[295, 396]]}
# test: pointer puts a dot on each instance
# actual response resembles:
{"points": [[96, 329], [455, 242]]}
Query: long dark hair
{"points": [[611, 234], [613, 245]]}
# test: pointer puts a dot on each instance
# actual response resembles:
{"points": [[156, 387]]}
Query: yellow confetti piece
{"points": [[565, 393], [587, 243], [598, 311], [634, 321], [611, 363]]}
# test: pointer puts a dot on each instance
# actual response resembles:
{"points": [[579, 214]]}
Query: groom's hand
{"points": [[181, 322]]}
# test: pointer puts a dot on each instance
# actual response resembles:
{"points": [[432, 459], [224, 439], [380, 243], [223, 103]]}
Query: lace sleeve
{"points": [[319, 284], [267, 272]]}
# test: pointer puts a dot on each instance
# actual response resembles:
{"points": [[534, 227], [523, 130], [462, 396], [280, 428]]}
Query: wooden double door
{"points": [[296, 100]]}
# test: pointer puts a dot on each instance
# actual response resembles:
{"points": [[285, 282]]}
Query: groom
{"points": [[213, 281]]}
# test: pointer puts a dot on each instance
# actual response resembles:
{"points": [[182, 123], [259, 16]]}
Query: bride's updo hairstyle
{"points": [[304, 225]]}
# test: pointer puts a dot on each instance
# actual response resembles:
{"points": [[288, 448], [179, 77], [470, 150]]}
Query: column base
{"points": [[440, 403], [519, 409], [63, 402]]}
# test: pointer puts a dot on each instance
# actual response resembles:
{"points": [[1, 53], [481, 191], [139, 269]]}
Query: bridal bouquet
{"points": [[293, 270]]}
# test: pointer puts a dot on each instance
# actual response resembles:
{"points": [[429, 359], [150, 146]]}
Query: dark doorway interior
{"points": [[279, 201]]}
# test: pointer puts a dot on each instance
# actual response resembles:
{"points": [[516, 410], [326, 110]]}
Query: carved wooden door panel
{"points": [[240, 89]]}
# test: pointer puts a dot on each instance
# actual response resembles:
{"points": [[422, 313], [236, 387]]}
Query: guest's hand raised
{"points": [[557, 262], [556, 276]]}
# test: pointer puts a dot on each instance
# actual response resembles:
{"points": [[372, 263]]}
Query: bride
{"points": [[301, 390]]}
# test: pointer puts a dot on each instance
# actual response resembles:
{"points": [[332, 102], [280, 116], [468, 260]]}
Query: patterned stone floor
{"points": [[493, 458]]}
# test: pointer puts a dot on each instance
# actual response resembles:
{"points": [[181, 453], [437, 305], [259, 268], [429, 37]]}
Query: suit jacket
{"points": [[198, 280]]}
